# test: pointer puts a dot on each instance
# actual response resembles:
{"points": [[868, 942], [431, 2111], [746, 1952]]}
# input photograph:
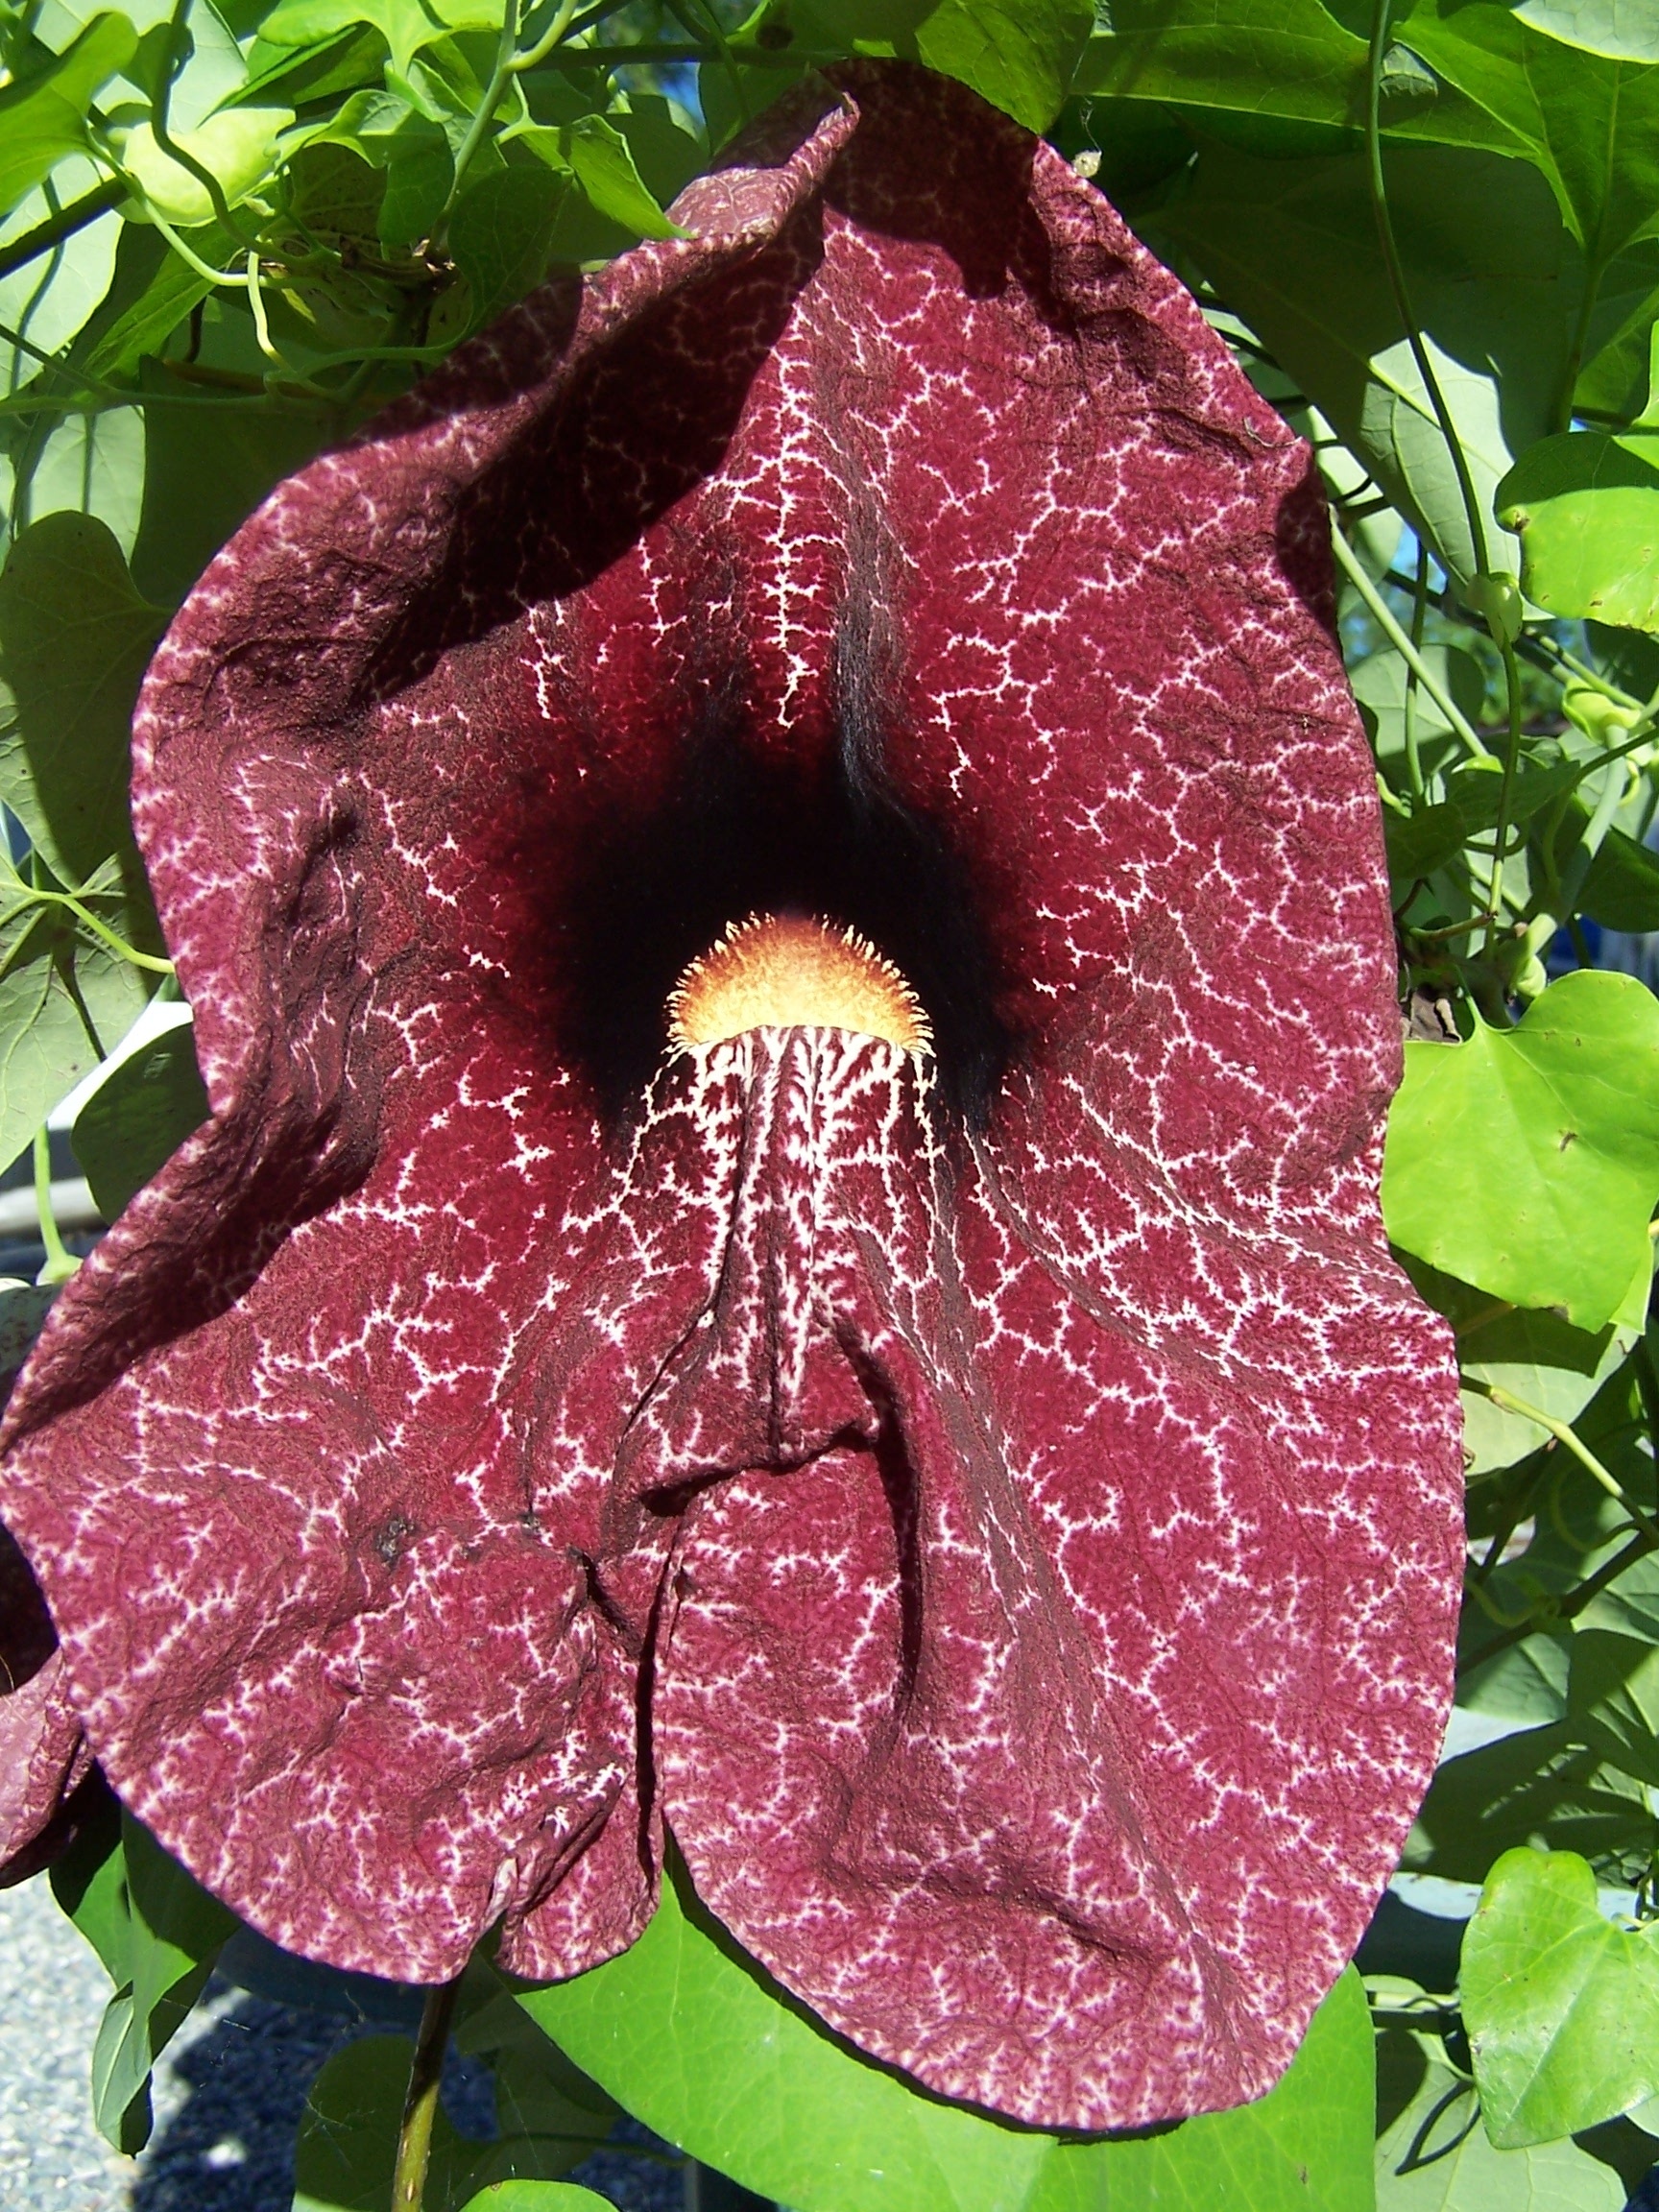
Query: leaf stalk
{"points": [[59, 1264], [1565, 1434], [59, 229], [1383, 615], [421, 2102]]}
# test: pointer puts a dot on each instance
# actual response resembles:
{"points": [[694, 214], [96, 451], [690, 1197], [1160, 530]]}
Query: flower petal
{"points": [[48, 1785], [1021, 1496]]}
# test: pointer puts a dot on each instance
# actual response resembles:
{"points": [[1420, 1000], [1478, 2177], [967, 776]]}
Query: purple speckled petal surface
{"points": [[1002, 1513]]}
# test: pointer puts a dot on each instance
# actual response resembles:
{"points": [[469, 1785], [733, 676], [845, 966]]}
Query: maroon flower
{"points": [[998, 1503]]}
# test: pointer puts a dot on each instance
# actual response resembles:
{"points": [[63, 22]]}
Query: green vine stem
{"points": [[485, 111], [1549, 651], [1536, 646], [555, 34], [59, 1264], [1502, 625], [666, 54], [231, 278], [1383, 615], [1495, 1613], [149, 961], [172, 62], [1563, 1609], [1594, 271], [1379, 14], [421, 2102], [257, 303], [509, 63], [1506, 788], [63, 226], [1419, 609], [1563, 1433]]}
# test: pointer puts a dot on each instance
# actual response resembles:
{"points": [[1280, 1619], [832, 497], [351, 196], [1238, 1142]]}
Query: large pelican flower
{"points": [[784, 908]]}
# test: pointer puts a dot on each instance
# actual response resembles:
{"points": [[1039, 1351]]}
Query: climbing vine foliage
{"points": [[231, 231]]}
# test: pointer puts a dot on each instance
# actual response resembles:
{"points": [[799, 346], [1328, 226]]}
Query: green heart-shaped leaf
{"points": [[1561, 2004], [1525, 1160], [1586, 507]]}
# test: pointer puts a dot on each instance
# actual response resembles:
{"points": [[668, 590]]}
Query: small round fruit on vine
{"points": [[1497, 599]]}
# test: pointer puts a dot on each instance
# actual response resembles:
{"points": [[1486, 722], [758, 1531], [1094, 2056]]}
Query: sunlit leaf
{"points": [[350, 60], [1020, 55], [213, 70], [89, 1881], [666, 157], [1434, 2155], [368, 125], [536, 2196], [1526, 1160], [1624, 30], [134, 1122], [1586, 506], [407, 26], [42, 117], [90, 464], [697, 2041], [1589, 124], [157, 1933], [603, 162], [238, 145], [1292, 247], [51, 298], [75, 636], [1264, 57], [414, 150], [1562, 2007], [1289, 59]]}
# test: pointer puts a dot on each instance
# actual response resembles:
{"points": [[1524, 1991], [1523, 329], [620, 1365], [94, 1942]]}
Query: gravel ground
{"points": [[52, 1995], [227, 2093]]}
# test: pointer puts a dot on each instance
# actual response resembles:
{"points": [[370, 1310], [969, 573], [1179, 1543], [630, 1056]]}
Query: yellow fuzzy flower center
{"points": [[784, 971]]}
